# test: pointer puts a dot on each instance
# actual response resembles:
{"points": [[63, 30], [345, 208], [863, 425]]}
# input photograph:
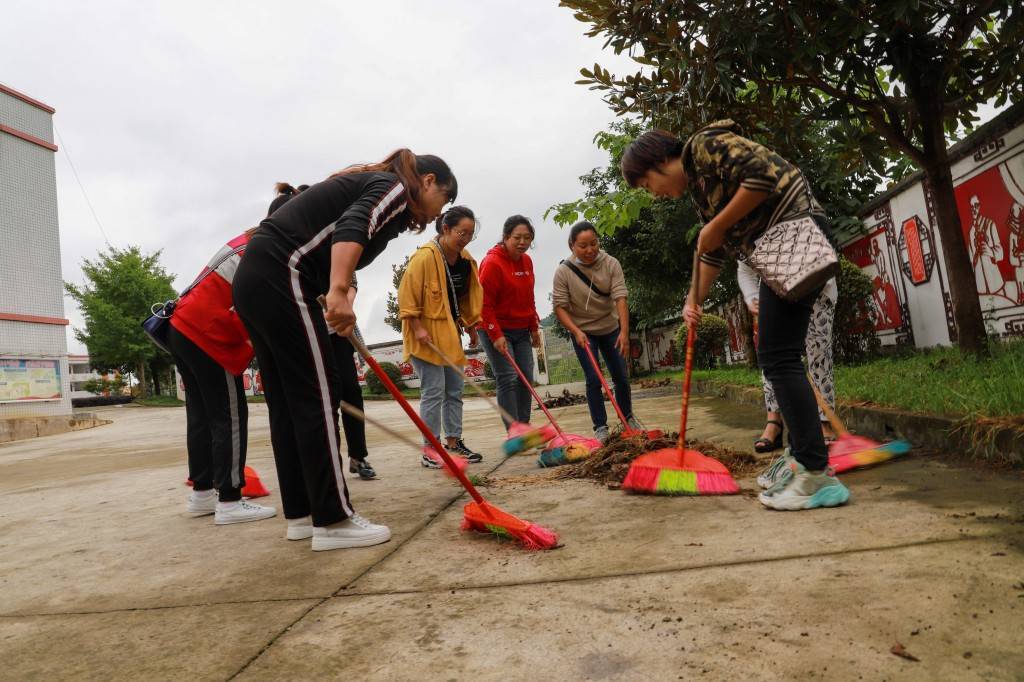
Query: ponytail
{"points": [[410, 168]]}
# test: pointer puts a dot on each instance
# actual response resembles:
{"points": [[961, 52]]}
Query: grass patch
{"points": [[255, 399], [159, 401], [939, 381], [412, 393], [942, 381]]}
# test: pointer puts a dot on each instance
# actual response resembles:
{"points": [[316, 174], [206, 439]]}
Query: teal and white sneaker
{"points": [[774, 472], [804, 489]]}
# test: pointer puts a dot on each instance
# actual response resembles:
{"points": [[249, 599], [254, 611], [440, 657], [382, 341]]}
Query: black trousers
{"points": [[782, 328], [217, 419], [275, 295], [352, 393]]}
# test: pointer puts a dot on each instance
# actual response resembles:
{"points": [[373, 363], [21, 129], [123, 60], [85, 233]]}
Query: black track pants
{"points": [[217, 417], [276, 298]]}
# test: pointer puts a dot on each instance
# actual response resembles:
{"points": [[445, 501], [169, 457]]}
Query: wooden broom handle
{"points": [[833, 418]]}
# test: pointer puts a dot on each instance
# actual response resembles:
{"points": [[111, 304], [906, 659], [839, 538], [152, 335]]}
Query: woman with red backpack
{"points": [[211, 350]]}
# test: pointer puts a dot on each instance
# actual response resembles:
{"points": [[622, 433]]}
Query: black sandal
{"points": [[829, 439], [764, 445]]}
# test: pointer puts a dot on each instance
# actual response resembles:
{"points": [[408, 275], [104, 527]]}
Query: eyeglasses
{"points": [[465, 236], [522, 238]]}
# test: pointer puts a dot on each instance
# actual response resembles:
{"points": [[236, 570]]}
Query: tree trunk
{"points": [[156, 380], [142, 379], [970, 326]]}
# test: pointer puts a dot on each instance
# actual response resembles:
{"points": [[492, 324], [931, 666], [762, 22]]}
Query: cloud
{"points": [[180, 117]]}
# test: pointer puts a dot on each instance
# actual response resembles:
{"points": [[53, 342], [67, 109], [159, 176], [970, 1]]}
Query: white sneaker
{"points": [[635, 424], [805, 490], [300, 529], [601, 434], [202, 502], [242, 511], [354, 531], [774, 472]]}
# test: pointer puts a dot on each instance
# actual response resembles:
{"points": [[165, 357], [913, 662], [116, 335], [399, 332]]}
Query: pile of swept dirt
{"points": [[609, 463]]}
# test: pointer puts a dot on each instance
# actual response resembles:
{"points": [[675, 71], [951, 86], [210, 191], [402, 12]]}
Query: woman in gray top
{"points": [[589, 298]]}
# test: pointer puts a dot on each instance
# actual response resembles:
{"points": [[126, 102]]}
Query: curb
{"points": [[998, 444]]}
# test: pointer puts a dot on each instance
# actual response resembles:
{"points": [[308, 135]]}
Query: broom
{"points": [[855, 452], [478, 515], [680, 471], [627, 431], [356, 336], [526, 437], [564, 447]]}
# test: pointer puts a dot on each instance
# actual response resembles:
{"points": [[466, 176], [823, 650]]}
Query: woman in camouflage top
{"points": [[740, 189]]}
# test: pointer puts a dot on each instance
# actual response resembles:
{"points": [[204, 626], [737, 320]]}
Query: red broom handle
{"points": [[691, 340], [608, 391], [532, 390], [427, 433]]}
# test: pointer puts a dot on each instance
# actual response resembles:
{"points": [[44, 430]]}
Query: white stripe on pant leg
{"points": [[318, 363], [236, 436]]}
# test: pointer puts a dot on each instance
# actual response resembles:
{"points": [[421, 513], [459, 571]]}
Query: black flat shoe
{"points": [[766, 445], [361, 467]]}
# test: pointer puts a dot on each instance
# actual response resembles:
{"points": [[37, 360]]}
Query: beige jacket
{"points": [[593, 313]]}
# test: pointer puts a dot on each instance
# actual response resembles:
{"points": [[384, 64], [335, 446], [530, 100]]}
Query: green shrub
{"points": [[712, 334], [853, 335], [376, 386]]}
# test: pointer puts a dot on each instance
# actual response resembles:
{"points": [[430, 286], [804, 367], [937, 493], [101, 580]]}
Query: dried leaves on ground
{"points": [[609, 463]]}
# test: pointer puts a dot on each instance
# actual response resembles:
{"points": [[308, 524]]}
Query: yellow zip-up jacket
{"points": [[423, 293]]}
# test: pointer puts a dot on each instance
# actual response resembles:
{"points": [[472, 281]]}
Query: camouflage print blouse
{"points": [[718, 161]]}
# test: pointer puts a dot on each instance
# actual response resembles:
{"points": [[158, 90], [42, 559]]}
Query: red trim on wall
{"points": [[37, 319], [26, 99], [28, 138]]}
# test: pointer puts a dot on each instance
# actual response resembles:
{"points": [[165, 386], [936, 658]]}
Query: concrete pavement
{"points": [[102, 574]]}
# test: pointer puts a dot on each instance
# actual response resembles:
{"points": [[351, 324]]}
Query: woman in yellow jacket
{"points": [[440, 297]]}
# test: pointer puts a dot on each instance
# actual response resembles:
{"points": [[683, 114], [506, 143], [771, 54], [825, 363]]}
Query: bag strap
{"points": [[211, 269], [586, 280]]}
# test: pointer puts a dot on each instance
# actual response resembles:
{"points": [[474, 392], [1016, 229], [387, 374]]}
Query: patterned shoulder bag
{"points": [[794, 257]]}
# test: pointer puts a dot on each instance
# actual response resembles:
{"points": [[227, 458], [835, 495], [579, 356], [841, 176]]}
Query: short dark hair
{"points": [[579, 228], [514, 221], [649, 151], [452, 216]]}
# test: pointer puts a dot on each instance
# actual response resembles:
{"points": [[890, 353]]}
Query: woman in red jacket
{"points": [[211, 350], [510, 315]]}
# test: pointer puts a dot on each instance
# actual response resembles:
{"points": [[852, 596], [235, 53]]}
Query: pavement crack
{"points": [[340, 591], [668, 570]]}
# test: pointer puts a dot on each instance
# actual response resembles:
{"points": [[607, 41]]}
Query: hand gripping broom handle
{"points": [[479, 391], [357, 341], [532, 390], [607, 390], [427, 433], [691, 340]]}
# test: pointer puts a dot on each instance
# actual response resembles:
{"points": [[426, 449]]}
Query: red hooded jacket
{"points": [[206, 315], [508, 293]]}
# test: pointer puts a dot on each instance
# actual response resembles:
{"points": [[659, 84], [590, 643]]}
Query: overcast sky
{"points": [[180, 116]]}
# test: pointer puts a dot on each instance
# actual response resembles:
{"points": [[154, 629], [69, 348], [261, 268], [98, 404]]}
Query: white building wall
{"points": [[31, 282], [989, 187]]}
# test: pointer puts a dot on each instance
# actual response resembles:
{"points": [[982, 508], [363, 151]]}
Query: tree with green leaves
{"points": [[121, 286], [654, 239], [392, 318], [890, 77]]}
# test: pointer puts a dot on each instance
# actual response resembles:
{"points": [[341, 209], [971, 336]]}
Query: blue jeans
{"points": [[605, 343], [440, 397], [513, 396]]}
